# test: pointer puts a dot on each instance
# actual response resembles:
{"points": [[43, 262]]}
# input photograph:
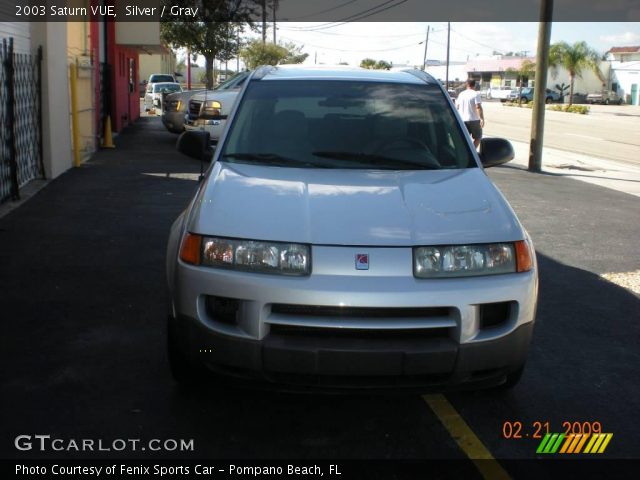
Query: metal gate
{"points": [[20, 120]]}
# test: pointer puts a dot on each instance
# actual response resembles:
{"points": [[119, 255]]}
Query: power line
{"points": [[323, 11], [356, 17], [351, 49], [479, 43], [403, 35]]}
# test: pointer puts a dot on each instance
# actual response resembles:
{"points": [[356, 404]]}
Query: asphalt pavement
{"points": [[84, 309]]}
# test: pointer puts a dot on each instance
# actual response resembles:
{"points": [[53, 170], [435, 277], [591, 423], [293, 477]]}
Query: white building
{"points": [[624, 77]]}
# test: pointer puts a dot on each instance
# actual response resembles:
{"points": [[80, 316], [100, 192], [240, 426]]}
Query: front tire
{"points": [[548, 100]]}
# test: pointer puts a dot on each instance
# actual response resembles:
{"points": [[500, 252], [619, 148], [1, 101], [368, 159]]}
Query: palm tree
{"points": [[527, 69], [574, 59]]}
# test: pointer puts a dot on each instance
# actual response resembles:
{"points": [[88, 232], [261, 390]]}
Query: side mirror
{"points": [[195, 144], [495, 151]]}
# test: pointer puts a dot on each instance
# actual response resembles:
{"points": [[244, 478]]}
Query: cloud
{"points": [[621, 39]]}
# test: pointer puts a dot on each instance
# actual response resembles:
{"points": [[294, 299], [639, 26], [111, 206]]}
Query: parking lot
{"points": [[84, 307]]}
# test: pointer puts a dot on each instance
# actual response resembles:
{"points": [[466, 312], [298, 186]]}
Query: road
{"points": [[608, 131], [83, 302]]}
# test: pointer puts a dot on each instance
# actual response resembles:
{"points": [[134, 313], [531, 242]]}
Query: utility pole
{"points": [[274, 6], [542, 64], [426, 43], [188, 69], [264, 21], [448, 40], [238, 43]]}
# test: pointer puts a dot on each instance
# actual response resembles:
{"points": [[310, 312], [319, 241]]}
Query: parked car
{"points": [[209, 110], [161, 78], [500, 93], [578, 98], [175, 110], [153, 97], [605, 97], [155, 78], [527, 95], [346, 234]]}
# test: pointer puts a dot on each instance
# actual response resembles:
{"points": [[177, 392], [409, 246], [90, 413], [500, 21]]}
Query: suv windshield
{"points": [[346, 124], [161, 78], [167, 87]]}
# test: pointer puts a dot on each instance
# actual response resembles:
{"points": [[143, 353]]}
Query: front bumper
{"points": [[329, 364], [214, 127], [288, 345]]}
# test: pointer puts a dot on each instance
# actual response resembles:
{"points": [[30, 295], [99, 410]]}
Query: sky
{"points": [[400, 42]]}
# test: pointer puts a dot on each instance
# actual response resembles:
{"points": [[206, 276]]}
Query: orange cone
{"points": [[107, 141]]}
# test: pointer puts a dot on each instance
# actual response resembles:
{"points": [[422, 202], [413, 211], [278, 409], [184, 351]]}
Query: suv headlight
{"points": [[212, 108], [471, 260], [247, 255]]}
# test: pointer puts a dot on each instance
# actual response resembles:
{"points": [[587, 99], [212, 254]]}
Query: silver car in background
{"points": [[175, 110], [156, 92], [347, 235], [208, 111]]}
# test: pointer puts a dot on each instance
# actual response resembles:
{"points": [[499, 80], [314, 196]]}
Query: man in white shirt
{"points": [[469, 104]]}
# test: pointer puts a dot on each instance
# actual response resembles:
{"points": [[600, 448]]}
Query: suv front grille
{"points": [[194, 108], [363, 322], [353, 334], [368, 312]]}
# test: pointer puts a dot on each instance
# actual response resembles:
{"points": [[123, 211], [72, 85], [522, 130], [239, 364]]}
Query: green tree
{"points": [[294, 53], [257, 53], [372, 64], [527, 69], [213, 32], [369, 63], [574, 59]]}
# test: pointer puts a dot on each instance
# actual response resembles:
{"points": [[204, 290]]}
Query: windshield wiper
{"points": [[274, 159], [376, 161]]}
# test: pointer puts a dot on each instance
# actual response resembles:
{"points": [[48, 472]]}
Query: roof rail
{"points": [[422, 75], [261, 71]]}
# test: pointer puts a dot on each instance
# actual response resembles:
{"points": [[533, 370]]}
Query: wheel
{"points": [[606, 102], [184, 370], [548, 100], [620, 101], [524, 100]]}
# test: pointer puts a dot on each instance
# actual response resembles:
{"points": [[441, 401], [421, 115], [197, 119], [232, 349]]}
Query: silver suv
{"points": [[605, 97], [346, 235]]}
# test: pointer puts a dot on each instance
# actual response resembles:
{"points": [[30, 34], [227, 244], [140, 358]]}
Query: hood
{"points": [[353, 207]]}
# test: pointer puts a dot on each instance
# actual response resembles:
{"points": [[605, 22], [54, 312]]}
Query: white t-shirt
{"points": [[466, 102]]}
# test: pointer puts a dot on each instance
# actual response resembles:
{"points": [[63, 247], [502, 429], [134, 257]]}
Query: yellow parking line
{"points": [[465, 438]]}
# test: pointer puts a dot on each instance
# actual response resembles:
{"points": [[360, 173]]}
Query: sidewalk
{"points": [[605, 173]]}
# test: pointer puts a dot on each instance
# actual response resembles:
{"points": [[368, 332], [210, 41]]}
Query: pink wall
{"points": [[125, 97]]}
